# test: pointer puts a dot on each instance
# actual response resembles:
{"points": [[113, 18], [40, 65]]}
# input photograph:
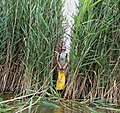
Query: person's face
{"points": [[63, 49]]}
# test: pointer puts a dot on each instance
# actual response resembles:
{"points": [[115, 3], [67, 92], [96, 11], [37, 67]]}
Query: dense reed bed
{"points": [[30, 33], [95, 56]]}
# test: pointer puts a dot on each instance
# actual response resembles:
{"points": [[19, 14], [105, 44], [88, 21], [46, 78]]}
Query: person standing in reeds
{"points": [[62, 61]]}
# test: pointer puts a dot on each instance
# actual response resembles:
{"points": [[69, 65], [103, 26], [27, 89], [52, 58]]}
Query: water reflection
{"points": [[58, 110], [47, 109], [51, 107], [61, 109]]}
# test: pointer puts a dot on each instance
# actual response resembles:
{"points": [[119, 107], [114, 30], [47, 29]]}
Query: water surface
{"points": [[52, 107]]}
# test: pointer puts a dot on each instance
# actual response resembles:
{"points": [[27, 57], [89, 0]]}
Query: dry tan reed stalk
{"points": [[11, 77]]}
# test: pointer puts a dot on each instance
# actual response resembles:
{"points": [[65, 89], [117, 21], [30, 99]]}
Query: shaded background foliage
{"points": [[30, 31]]}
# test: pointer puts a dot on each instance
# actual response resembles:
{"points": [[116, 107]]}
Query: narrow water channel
{"points": [[61, 109], [50, 107]]}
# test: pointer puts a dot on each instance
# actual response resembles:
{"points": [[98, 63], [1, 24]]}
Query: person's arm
{"points": [[58, 61], [68, 60]]}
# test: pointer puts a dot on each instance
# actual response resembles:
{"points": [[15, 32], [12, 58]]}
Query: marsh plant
{"points": [[30, 33]]}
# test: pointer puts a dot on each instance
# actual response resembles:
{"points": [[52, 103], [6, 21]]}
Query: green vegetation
{"points": [[96, 52], [30, 32]]}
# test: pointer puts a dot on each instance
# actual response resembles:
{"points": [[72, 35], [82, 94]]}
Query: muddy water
{"points": [[49, 107], [61, 109]]}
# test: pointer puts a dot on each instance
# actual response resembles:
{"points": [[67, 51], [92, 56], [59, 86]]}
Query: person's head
{"points": [[63, 48], [63, 41]]}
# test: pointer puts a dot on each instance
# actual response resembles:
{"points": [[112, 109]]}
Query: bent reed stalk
{"points": [[30, 32]]}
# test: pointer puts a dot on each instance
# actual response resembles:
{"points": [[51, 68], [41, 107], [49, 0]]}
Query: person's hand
{"points": [[64, 67], [60, 66]]}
